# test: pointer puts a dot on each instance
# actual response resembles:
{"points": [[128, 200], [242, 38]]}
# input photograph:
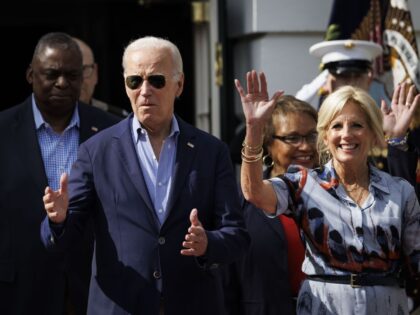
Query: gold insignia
{"points": [[349, 44]]}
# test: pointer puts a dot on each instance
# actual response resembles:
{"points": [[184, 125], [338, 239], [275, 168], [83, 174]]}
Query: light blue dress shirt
{"points": [[59, 151], [157, 173]]}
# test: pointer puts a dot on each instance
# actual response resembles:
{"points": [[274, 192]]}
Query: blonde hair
{"points": [[335, 103], [159, 43]]}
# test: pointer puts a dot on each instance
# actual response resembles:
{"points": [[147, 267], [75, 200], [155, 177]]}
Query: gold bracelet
{"points": [[249, 161], [252, 154], [250, 148], [251, 158]]}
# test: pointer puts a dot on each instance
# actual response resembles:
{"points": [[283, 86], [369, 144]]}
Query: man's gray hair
{"points": [[155, 42]]}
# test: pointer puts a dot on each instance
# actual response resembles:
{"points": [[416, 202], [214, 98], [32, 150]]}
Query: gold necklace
{"points": [[359, 196], [356, 186]]}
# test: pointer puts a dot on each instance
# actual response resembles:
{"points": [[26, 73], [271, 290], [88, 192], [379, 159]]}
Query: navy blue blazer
{"points": [[137, 262], [258, 283], [404, 163], [28, 273]]}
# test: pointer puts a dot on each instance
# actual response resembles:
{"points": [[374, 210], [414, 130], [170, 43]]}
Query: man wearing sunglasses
{"points": [[162, 195], [39, 140]]}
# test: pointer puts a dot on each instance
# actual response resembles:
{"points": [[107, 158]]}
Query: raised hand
{"points": [[256, 103], [196, 240], [397, 118], [57, 202]]}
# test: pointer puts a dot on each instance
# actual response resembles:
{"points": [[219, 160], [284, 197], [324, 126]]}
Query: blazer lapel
{"points": [[129, 159], [28, 146], [87, 129], [186, 151]]}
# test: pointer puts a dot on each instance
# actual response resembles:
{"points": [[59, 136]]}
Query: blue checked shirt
{"points": [[157, 174], [59, 151]]}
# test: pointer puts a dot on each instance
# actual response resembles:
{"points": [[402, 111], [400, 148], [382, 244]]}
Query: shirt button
{"points": [[159, 184], [161, 240], [160, 210], [156, 274]]}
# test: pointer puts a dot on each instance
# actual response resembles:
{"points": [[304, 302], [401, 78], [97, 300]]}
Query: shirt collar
{"points": [[138, 129], [376, 180], [39, 120]]}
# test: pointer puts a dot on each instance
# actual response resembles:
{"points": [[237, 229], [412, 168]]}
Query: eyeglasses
{"points": [[88, 70], [298, 139], [133, 82]]}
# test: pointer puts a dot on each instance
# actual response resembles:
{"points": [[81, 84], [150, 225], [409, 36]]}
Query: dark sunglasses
{"points": [[133, 82]]}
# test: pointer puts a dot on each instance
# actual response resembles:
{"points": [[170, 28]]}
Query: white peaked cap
{"points": [[346, 49]]}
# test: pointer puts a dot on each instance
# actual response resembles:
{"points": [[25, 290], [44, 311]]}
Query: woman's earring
{"points": [[328, 153], [268, 161]]}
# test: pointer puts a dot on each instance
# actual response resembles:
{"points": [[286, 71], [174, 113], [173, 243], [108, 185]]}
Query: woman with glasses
{"points": [[359, 223], [277, 250]]}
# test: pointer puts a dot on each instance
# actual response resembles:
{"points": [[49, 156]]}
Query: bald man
{"points": [[90, 79]]}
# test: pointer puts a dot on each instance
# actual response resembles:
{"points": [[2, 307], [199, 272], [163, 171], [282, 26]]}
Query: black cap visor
{"points": [[346, 67]]}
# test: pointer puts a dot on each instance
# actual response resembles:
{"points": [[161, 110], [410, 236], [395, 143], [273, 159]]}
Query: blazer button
{"points": [[161, 240], [156, 274]]}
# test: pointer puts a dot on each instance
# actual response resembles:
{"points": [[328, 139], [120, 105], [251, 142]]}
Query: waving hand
{"points": [[397, 118], [255, 103]]}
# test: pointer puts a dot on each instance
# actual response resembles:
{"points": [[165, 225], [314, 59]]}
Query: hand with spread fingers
{"points": [[196, 240], [57, 202], [398, 116], [256, 103]]}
